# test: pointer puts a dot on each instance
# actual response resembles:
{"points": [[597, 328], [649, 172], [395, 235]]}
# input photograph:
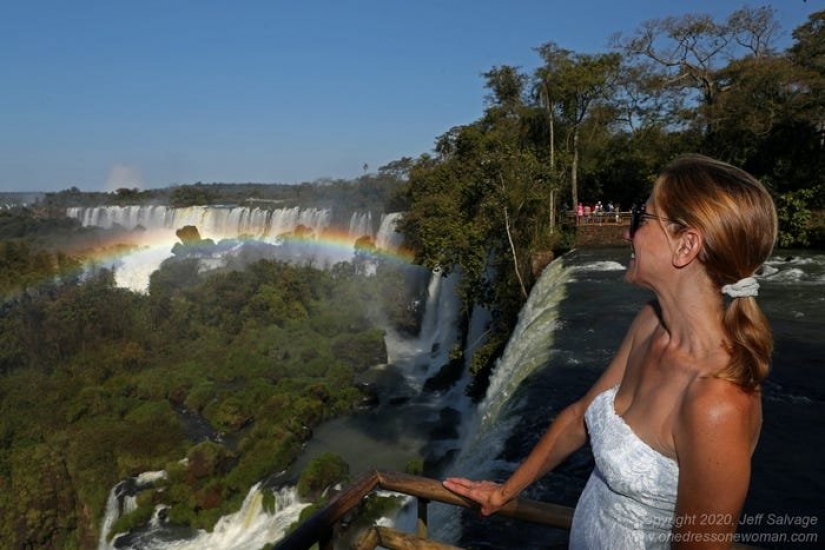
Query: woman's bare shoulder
{"points": [[718, 406]]}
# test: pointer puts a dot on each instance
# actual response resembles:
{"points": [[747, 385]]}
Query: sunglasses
{"points": [[638, 215]]}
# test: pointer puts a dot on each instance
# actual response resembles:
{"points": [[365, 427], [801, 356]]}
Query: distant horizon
{"points": [[25, 198], [148, 95], [176, 184]]}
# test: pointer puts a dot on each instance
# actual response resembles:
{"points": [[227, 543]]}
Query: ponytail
{"points": [[751, 343]]}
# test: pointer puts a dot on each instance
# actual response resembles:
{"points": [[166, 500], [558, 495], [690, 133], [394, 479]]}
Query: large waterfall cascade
{"points": [[156, 227], [252, 526], [214, 222]]}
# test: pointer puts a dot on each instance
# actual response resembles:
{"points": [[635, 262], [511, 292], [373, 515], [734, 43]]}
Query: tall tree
{"points": [[506, 87], [546, 91], [571, 85], [690, 50], [808, 52]]}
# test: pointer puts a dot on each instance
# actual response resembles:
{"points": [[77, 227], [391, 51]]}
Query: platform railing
{"points": [[321, 528], [597, 218]]}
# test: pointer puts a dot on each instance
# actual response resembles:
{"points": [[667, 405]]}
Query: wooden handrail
{"points": [[321, 526], [390, 538], [519, 508]]}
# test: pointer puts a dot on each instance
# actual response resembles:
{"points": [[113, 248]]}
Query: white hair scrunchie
{"points": [[742, 288]]}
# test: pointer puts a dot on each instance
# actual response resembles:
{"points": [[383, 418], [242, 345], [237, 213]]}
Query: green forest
{"points": [[96, 381]]}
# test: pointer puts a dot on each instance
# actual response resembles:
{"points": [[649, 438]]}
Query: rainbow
{"points": [[134, 257]]}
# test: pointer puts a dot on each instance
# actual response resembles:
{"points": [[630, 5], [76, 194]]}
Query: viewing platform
{"points": [[598, 228]]}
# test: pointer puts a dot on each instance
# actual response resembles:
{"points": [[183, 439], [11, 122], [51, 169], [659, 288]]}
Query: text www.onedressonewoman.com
{"points": [[743, 538]]}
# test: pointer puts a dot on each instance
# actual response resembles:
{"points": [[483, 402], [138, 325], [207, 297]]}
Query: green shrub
{"points": [[200, 396], [361, 351], [323, 471], [260, 458], [228, 413], [415, 467], [207, 459], [136, 518]]}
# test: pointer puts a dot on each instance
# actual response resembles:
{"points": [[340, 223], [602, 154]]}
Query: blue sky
{"points": [[150, 93]]}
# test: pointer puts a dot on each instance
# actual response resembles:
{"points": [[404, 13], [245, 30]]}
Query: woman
{"points": [[674, 419]]}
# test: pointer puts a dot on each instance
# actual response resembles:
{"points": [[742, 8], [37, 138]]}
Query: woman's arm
{"points": [[565, 435], [715, 435]]}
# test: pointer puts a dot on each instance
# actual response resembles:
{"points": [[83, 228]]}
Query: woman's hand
{"points": [[486, 493]]}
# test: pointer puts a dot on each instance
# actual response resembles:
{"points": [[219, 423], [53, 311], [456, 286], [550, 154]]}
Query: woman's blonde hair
{"points": [[737, 217]]}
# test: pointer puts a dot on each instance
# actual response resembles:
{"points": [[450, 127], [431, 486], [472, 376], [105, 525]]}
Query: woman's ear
{"points": [[688, 246]]}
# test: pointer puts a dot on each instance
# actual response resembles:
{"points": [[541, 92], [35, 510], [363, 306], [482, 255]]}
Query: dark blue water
{"points": [[787, 494]]}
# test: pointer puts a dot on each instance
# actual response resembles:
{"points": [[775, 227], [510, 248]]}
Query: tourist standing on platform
{"points": [[674, 419]]}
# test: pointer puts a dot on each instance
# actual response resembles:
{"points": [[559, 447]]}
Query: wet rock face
{"points": [[188, 235], [370, 396], [540, 260], [448, 421]]}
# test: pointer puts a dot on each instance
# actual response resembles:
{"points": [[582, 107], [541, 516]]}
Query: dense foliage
{"points": [[230, 371], [322, 472]]}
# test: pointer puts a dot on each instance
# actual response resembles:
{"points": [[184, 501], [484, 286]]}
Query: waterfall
{"points": [[423, 356], [224, 222], [110, 516], [158, 224], [213, 222], [252, 526], [360, 224], [122, 500], [286, 220], [388, 238], [530, 344], [429, 339], [529, 347]]}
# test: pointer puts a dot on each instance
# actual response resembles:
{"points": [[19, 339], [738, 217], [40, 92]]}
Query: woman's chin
{"points": [[629, 274]]}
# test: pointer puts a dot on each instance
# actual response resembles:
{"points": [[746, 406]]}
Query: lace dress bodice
{"points": [[630, 498]]}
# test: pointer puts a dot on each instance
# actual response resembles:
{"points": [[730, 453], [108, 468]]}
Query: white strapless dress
{"points": [[630, 498]]}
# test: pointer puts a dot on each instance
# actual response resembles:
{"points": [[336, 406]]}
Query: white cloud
{"points": [[124, 176]]}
